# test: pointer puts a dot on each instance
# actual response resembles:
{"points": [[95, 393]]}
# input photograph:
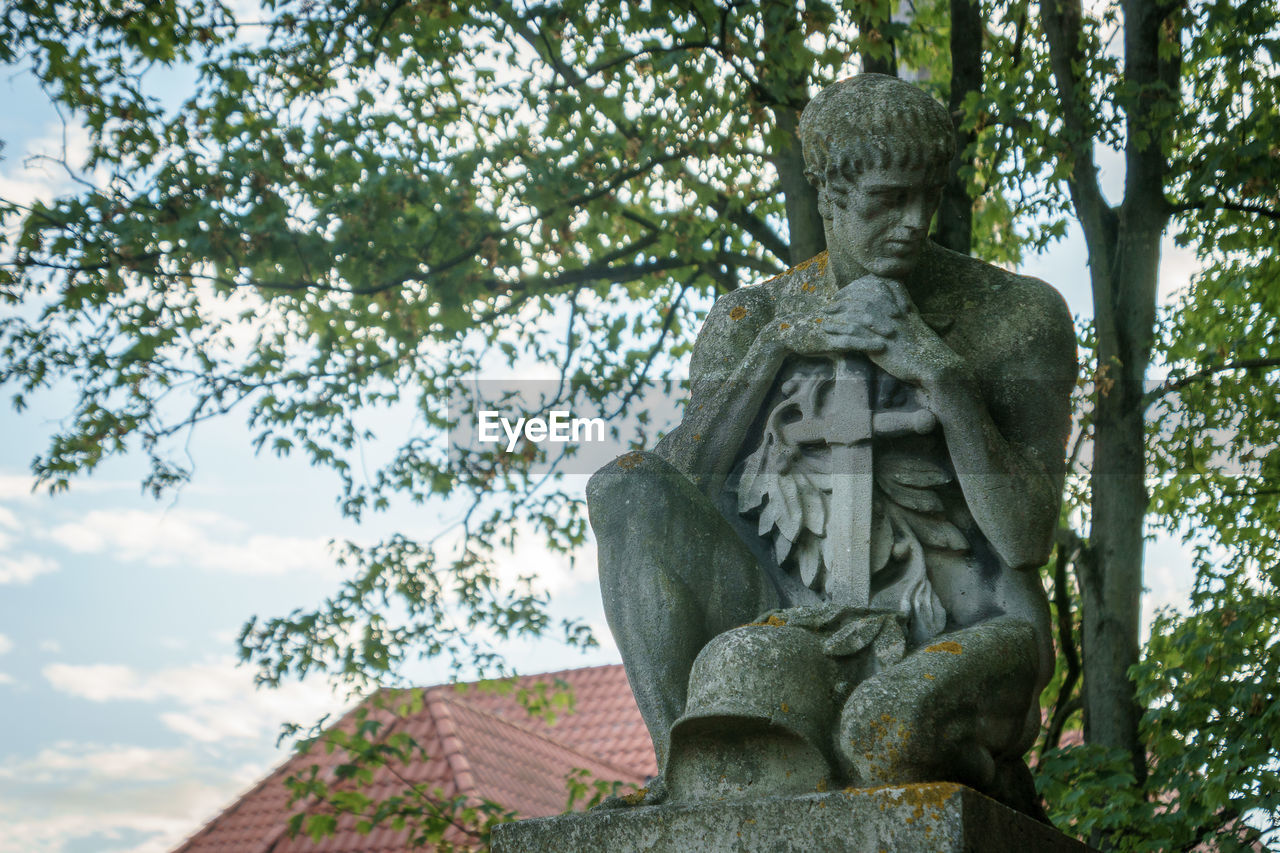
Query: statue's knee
{"points": [[876, 744], [951, 710], [907, 740], [630, 502], [640, 498], [632, 477]]}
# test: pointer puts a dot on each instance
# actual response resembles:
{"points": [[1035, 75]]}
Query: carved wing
{"points": [[911, 508], [788, 483]]}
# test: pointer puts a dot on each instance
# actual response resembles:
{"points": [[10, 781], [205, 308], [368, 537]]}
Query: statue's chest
{"points": [[849, 480]]}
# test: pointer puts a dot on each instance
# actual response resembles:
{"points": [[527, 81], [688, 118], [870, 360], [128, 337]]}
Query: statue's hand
{"points": [[863, 316], [875, 315], [871, 301], [808, 336]]}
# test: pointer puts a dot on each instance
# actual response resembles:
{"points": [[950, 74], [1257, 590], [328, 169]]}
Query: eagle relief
{"points": [[786, 483]]}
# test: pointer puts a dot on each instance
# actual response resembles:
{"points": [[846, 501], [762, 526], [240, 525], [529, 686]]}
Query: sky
{"points": [[125, 723]]}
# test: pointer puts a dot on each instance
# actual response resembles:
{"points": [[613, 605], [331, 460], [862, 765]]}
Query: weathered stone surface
{"points": [[926, 818], [869, 470]]}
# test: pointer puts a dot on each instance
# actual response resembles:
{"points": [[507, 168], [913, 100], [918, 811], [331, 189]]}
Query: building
{"points": [[478, 745]]}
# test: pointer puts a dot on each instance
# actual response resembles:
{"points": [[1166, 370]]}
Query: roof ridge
{"points": [[529, 676], [369, 702], [463, 754], [242, 797], [436, 704], [542, 735], [235, 805], [397, 718], [560, 672]]}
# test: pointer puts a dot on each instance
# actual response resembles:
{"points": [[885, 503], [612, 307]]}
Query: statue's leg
{"points": [[673, 574], [961, 709]]}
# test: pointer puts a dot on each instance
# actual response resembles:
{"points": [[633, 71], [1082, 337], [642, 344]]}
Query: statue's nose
{"points": [[916, 216]]}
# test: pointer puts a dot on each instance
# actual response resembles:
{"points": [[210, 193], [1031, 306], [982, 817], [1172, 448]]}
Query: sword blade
{"points": [[849, 522]]}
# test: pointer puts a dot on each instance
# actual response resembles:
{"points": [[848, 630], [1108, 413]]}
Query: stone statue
{"points": [[826, 575]]}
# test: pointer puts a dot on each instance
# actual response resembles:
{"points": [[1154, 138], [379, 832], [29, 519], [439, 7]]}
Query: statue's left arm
{"points": [[1004, 408], [1007, 423]]}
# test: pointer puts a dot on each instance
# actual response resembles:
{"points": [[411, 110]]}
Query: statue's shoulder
{"points": [[992, 296], [737, 317], [752, 306], [801, 283]]}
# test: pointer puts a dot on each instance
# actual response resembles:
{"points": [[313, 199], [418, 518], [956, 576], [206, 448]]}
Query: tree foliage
{"points": [[363, 203]]}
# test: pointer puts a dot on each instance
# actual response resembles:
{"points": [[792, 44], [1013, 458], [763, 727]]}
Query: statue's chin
{"points": [[894, 267]]}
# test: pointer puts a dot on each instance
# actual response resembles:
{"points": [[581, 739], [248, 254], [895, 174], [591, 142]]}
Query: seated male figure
{"points": [[872, 453]]}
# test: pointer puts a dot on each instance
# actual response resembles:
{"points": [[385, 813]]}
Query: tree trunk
{"points": [[1124, 264], [1126, 317], [1111, 582], [786, 96], [804, 223], [877, 52], [955, 214]]}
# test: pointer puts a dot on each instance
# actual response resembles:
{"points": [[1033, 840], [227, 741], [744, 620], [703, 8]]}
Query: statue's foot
{"points": [[653, 794], [1015, 787]]}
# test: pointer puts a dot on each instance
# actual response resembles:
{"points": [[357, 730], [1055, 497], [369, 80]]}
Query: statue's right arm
{"points": [[735, 359]]}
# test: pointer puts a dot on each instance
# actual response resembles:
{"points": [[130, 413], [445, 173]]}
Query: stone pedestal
{"points": [[927, 818]]}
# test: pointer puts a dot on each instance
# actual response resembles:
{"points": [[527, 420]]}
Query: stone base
{"points": [[929, 818]]}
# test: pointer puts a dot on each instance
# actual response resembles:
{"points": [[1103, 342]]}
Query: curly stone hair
{"points": [[869, 121]]}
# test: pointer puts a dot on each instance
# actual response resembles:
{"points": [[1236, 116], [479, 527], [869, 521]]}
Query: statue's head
{"points": [[877, 150]]}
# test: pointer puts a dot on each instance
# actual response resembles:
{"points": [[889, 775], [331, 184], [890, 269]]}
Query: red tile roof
{"points": [[481, 745], [605, 720]]}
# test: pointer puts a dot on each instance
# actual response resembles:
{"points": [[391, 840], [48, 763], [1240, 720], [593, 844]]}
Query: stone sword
{"points": [[852, 423]]}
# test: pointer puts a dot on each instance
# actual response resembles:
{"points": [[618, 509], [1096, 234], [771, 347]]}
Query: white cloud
{"points": [[6, 678], [21, 488], [1168, 576], [8, 519], [6, 645], [210, 702], [24, 568], [1168, 585], [554, 572], [16, 487], [32, 176], [191, 538], [92, 793], [1178, 265], [98, 682], [132, 763]]}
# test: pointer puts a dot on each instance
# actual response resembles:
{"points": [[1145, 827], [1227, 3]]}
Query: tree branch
{"points": [[459, 257], [537, 39], [667, 320], [1174, 385], [1215, 204], [1201, 833], [590, 274], [1070, 547], [612, 62], [755, 226], [1062, 27], [955, 214], [1152, 66], [740, 260], [760, 232]]}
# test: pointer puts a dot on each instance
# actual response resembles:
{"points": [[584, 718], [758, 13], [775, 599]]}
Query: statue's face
{"points": [[884, 223]]}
